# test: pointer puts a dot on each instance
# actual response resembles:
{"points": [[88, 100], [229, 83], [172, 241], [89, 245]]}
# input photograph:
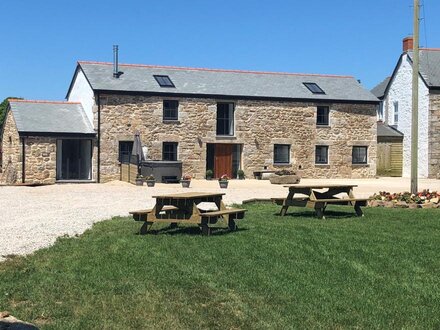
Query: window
{"points": [[169, 151], [396, 112], [281, 154], [170, 110], [314, 88], [225, 119], [125, 148], [321, 155], [322, 116], [164, 81], [359, 155], [380, 111]]}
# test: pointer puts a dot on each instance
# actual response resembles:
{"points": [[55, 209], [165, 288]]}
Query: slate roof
{"points": [[384, 130], [46, 117], [379, 90], [429, 66], [232, 83]]}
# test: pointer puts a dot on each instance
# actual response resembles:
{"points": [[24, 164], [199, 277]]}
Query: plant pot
{"points": [[209, 178], [185, 183], [150, 183], [241, 178], [139, 182], [223, 184]]}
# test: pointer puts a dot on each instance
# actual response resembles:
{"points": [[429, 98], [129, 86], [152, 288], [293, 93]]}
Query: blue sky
{"points": [[42, 40]]}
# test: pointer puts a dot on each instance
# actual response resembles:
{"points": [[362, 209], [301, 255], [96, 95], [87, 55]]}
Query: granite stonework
{"points": [[11, 147], [258, 126], [40, 157], [434, 135], [40, 160]]}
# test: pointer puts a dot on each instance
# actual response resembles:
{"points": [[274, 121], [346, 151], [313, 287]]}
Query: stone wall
{"points": [[11, 146], [434, 135], [258, 126], [40, 161]]}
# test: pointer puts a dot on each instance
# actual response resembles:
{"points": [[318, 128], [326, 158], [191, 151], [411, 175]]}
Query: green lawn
{"points": [[381, 271]]}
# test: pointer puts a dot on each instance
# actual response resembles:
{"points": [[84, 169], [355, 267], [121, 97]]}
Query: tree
{"points": [[3, 107]]}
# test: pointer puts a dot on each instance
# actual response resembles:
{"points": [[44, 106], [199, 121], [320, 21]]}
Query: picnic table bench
{"points": [[319, 200], [182, 208]]}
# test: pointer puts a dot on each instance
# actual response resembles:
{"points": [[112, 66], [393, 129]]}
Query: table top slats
{"points": [[189, 195], [320, 186]]}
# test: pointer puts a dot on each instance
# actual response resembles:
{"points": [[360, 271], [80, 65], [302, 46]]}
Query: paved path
{"points": [[33, 217]]}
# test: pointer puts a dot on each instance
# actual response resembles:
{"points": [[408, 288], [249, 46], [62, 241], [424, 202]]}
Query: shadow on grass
{"points": [[190, 231], [329, 214]]}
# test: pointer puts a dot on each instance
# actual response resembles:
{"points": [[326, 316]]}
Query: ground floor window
{"points": [[169, 151], [125, 148], [281, 154], [359, 155], [321, 155], [74, 159]]}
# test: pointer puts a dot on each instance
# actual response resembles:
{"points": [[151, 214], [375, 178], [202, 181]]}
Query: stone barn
{"points": [[221, 120]]}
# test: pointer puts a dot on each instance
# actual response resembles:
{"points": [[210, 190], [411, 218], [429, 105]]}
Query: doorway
{"points": [[223, 159], [74, 159]]}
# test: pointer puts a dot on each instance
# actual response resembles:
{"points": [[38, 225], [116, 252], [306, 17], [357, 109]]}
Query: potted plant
{"points": [[186, 180], [139, 180], [209, 174], [151, 181], [240, 174], [223, 181]]}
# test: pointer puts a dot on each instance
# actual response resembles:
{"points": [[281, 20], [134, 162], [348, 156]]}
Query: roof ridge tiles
{"points": [[43, 101], [431, 49], [216, 70]]}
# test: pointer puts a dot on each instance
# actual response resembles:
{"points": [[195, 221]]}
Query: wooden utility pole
{"points": [[415, 103]]}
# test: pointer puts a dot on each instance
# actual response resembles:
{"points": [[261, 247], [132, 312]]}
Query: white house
{"points": [[396, 107]]}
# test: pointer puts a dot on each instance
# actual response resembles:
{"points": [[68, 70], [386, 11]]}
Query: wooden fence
{"points": [[389, 159], [129, 172]]}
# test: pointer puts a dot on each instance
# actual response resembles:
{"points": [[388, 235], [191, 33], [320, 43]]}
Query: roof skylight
{"points": [[314, 88], [164, 81]]}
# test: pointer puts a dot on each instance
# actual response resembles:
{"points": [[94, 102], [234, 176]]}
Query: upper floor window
{"points": [[322, 116], [164, 81], [359, 155], [321, 155], [281, 154], [225, 118], [169, 151], [314, 88], [396, 112], [125, 148], [170, 110], [380, 111]]}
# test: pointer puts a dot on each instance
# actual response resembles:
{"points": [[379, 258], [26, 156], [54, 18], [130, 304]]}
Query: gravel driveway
{"points": [[33, 217]]}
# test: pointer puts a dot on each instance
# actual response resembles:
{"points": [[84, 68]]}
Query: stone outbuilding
{"points": [[221, 120], [44, 142]]}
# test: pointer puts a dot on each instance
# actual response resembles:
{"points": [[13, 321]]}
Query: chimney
{"points": [[408, 44], [116, 72]]}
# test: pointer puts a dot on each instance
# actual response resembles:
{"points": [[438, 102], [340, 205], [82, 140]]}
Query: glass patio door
{"points": [[74, 159]]}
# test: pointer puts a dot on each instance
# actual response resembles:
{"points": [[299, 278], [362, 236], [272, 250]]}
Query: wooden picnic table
{"points": [[183, 208], [308, 196]]}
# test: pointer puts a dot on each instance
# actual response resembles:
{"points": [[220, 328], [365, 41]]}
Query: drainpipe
{"points": [[99, 139], [23, 161]]}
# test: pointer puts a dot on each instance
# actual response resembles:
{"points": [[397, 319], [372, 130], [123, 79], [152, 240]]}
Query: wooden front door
{"points": [[223, 160]]}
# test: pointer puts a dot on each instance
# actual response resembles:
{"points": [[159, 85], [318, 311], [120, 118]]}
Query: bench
{"points": [[259, 174], [321, 204], [141, 215], [342, 201], [212, 216], [282, 201]]}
